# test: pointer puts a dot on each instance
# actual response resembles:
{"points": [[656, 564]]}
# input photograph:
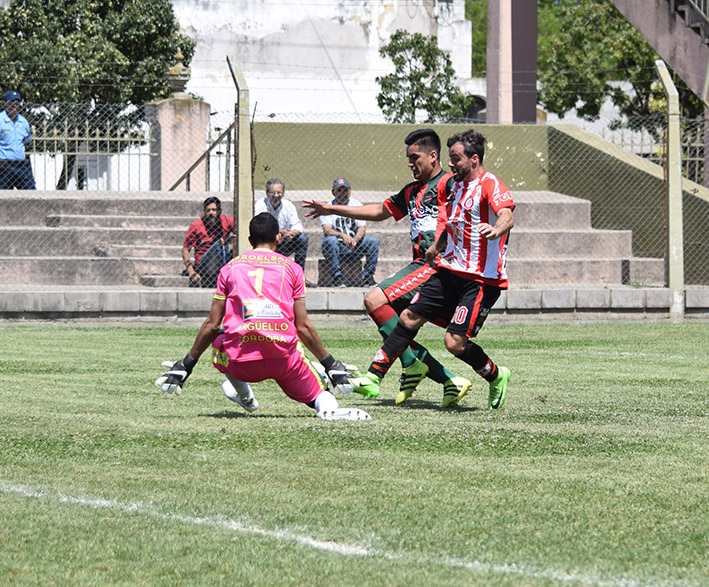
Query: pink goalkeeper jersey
{"points": [[260, 287], [468, 253]]}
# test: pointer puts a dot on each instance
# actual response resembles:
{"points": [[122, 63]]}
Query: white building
{"points": [[314, 57]]}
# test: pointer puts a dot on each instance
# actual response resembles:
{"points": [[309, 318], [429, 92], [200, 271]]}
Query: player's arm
{"points": [[306, 331], [209, 329], [374, 211], [505, 221], [435, 248], [174, 380]]}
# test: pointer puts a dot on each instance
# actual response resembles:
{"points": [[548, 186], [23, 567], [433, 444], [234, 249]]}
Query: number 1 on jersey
{"points": [[257, 274]]}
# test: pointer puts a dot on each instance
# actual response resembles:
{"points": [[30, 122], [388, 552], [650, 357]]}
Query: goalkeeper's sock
{"points": [[386, 320], [325, 402], [242, 387]]}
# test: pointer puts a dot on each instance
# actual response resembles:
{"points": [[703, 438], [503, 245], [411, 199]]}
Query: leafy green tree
{"points": [[422, 81], [594, 47], [98, 55]]}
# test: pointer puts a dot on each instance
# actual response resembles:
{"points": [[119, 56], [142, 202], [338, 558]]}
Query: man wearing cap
{"points": [[344, 238], [15, 169]]}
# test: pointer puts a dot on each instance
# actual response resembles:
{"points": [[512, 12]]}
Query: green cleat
{"points": [[454, 390], [367, 385], [498, 389], [410, 378]]}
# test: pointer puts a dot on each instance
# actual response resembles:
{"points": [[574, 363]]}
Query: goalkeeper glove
{"points": [[174, 380], [338, 373]]}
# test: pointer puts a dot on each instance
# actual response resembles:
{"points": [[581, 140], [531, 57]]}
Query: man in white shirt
{"points": [[344, 238], [293, 240]]}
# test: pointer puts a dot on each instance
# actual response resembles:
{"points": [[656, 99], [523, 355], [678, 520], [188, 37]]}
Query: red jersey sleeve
{"points": [[393, 209], [498, 194]]}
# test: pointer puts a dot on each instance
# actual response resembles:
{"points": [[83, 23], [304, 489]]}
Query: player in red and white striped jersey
{"points": [[474, 218]]}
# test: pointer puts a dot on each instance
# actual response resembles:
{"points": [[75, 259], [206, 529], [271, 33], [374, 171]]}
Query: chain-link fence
{"points": [[591, 198]]}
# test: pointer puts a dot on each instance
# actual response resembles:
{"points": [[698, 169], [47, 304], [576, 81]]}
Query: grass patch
{"points": [[595, 472]]}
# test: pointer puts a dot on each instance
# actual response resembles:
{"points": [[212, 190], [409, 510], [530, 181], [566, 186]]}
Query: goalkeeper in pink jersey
{"points": [[256, 325]]}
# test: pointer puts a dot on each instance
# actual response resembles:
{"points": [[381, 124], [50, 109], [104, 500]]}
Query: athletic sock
{"points": [[325, 401], [475, 356], [386, 320], [436, 371], [393, 346]]}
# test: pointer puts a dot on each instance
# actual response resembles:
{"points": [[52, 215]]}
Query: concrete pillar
{"points": [[499, 62], [184, 124], [511, 61], [675, 227]]}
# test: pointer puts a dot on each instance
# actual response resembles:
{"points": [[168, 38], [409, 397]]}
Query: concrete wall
{"points": [[627, 192], [373, 156]]}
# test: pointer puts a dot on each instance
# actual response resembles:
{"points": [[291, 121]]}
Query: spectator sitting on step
{"points": [[293, 241], [209, 236], [344, 239], [15, 133]]}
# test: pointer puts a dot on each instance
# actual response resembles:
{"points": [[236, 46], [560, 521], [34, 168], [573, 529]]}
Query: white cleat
{"points": [[250, 404], [344, 414]]}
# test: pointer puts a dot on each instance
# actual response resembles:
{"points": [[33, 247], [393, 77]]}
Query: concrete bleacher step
{"points": [[140, 250], [112, 270], [83, 237], [38, 240], [577, 270], [118, 221]]}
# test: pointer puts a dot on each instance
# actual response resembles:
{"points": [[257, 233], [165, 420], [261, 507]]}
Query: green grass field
{"points": [[594, 473]]}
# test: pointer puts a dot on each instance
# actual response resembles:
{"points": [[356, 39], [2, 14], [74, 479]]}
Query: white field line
{"points": [[349, 549]]}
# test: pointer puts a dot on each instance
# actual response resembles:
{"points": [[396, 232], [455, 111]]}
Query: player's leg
{"points": [[301, 382], [384, 304], [237, 374], [240, 392], [475, 303], [427, 306]]}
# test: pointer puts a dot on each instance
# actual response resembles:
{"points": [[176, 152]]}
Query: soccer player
{"points": [[385, 302], [260, 299], [474, 219]]}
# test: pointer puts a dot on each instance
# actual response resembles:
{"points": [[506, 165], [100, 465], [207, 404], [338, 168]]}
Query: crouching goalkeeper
{"points": [[255, 326]]}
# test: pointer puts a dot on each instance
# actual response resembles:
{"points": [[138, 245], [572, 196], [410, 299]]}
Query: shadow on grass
{"points": [[419, 404], [229, 415]]}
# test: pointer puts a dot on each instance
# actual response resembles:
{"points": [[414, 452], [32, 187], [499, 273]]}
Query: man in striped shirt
{"points": [[417, 201], [474, 219]]}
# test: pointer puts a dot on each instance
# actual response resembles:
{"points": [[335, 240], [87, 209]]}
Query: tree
{"points": [[99, 55], [593, 48], [422, 81]]}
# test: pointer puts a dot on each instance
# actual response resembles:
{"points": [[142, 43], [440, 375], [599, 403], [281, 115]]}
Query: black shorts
{"points": [[463, 303]]}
